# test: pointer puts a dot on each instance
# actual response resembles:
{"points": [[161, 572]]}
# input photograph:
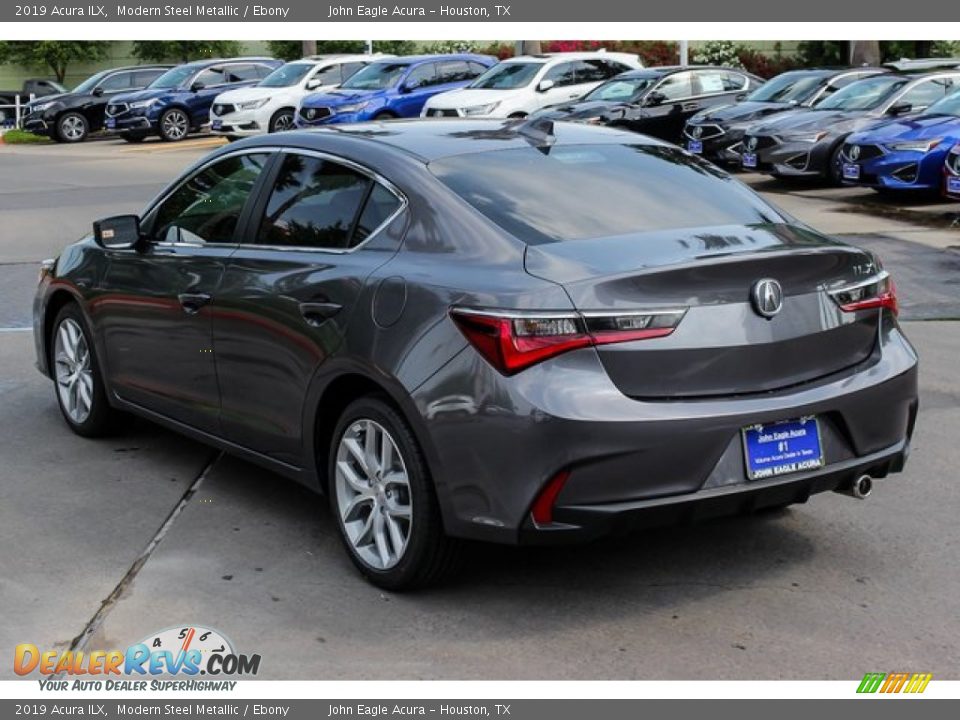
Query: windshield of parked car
{"points": [[863, 94], [950, 105], [173, 78], [287, 75], [622, 90], [507, 76], [377, 76], [90, 83], [792, 88], [578, 192]]}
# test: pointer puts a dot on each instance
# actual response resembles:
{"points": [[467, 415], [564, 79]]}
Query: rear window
{"points": [[579, 192]]}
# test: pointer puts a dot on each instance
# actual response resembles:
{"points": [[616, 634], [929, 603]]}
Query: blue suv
{"points": [[179, 101], [392, 88], [907, 153]]}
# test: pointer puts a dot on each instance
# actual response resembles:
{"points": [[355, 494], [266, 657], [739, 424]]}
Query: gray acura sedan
{"points": [[518, 332]]}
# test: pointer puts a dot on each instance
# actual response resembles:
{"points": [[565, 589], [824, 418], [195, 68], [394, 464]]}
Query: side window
{"points": [[116, 82], [314, 203], [843, 81], [676, 86], [142, 78], [422, 76], [562, 74], [924, 94], [329, 75], [241, 73], [732, 82], [262, 71], [476, 69], [614, 68], [348, 70], [451, 71], [720, 81], [591, 71], [210, 77], [206, 207], [380, 205]]}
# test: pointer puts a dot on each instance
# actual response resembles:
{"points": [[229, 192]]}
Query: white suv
{"points": [[270, 105], [522, 85]]}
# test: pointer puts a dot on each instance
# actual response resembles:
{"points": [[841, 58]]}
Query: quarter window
{"points": [[207, 207], [380, 205]]}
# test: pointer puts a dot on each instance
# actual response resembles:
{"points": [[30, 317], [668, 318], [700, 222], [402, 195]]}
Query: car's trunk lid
{"points": [[723, 346]]}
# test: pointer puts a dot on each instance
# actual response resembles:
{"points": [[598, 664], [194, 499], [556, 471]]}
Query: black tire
{"points": [[385, 115], [429, 555], [72, 127], [834, 172], [165, 124], [102, 419], [276, 122], [517, 116], [133, 137]]}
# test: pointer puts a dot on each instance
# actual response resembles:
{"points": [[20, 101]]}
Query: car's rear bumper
{"points": [[580, 523], [633, 462]]}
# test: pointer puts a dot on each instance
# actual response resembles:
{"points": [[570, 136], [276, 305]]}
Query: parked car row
{"points": [[891, 131]]}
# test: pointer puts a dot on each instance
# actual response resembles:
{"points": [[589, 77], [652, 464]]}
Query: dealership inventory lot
{"points": [[824, 590]]}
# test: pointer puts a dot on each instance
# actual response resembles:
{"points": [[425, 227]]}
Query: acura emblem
{"points": [[752, 144], [855, 152], [697, 132], [767, 297]]}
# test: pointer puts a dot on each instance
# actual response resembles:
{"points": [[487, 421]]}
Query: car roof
{"points": [[661, 70], [430, 140], [340, 58], [217, 61], [413, 59], [545, 58], [151, 66]]}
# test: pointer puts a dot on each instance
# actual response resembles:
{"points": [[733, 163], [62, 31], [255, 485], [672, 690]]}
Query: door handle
{"points": [[317, 313], [192, 302]]}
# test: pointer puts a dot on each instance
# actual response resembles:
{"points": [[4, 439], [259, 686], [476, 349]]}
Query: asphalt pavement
{"points": [[107, 541]]}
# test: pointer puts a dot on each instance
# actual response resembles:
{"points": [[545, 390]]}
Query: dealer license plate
{"points": [[781, 448], [111, 123], [216, 124], [851, 171], [695, 146], [953, 185], [749, 160]]}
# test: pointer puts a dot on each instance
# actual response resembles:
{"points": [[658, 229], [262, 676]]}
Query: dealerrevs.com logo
{"points": [[188, 652]]}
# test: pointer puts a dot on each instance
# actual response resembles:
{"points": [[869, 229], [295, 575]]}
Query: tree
{"points": [[56, 55], [183, 50], [294, 49]]}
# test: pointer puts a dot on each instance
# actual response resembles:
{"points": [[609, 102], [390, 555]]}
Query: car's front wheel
{"points": [[72, 127], [76, 371], [383, 499], [282, 120], [174, 125]]}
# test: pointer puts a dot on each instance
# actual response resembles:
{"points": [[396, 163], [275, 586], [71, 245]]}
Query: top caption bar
{"points": [[504, 11]]}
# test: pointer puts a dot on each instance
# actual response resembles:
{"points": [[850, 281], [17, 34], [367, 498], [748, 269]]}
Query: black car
{"points": [[808, 143], [657, 101], [423, 321], [716, 132], [71, 117]]}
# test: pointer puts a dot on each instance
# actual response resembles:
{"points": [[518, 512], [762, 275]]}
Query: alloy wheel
{"points": [[74, 371], [373, 494], [283, 122], [174, 125], [73, 128]]}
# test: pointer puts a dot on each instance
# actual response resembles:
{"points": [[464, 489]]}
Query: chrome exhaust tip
{"points": [[860, 488]]}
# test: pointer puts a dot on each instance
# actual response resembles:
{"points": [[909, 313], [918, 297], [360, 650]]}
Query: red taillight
{"points": [[542, 509], [513, 341], [876, 292]]}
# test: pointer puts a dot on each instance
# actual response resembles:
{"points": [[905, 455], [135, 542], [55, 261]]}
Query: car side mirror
{"points": [[197, 87], [900, 109], [545, 85], [313, 84], [97, 92], [407, 88], [654, 98], [120, 232]]}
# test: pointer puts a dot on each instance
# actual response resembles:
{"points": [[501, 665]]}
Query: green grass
{"points": [[22, 137]]}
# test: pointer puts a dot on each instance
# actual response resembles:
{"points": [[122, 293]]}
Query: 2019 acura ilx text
{"points": [[509, 331]]}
